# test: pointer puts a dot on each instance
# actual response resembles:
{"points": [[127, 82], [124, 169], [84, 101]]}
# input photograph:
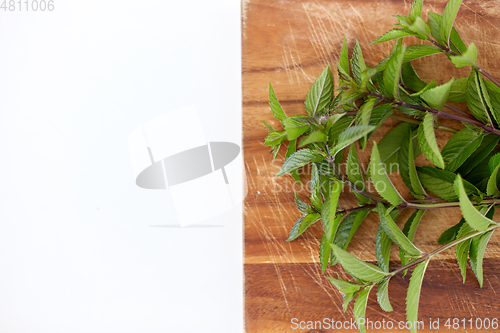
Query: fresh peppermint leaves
{"points": [[462, 172]]}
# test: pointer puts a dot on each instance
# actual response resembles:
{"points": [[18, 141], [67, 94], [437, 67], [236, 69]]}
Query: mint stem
{"points": [[438, 113], [414, 121], [428, 256], [479, 69]]}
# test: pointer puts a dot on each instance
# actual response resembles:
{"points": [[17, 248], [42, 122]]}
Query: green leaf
{"points": [[413, 295], [363, 117], [441, 183], [379, 115], [348, 227], [457, 90], [487, 145], [294, 232], [332, 119], [299, 159], [462, 249], [437, 97], [343, 286], [328, 211], [449, 235], [344, 58], [416, 186], [275, 138], [430, 86], [403, 21], [324, 182], [411, 225], [478, 246], [396, 235], [493, 91], [276, 108], [480, 175], [347, 299], [393, 34], [305, 120], [383, 296], [294, 128], [364, 113], [321, 93], [355, 174], [409, 230], [301, 205], [344, 80], [392, 72], [268, 127], [357, 267], [350, 95], [447, 20], [337, 128], [353, 169], [421, 28], [343, 230], [382, 249], [275, 150], [457, 45], [460, 147], [411, 111], [357, 63], [434, 22], [359, 310], [493, 162], [338, 158], [324, 252], [416, 10], [292, 147], [391, 146], [314, 188], [302, 224], [403, 156], [411, 79], [486, 98], [316, 136], [381, 180], [469, 58], [475, 99], [492, 187], [419, 51], [325, 168], [427, 141], [349, 136], [470, 213]]}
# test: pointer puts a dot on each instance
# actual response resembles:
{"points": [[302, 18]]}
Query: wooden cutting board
{"points": [[289, 43]]}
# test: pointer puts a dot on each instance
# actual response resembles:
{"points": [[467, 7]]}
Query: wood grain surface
{"points": [[289, 43]]}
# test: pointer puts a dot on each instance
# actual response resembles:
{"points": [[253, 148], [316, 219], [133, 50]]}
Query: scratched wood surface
{"points": [[288, 43]]}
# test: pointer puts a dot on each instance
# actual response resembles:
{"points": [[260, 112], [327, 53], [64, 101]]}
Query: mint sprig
{"points": [[465, 172]]}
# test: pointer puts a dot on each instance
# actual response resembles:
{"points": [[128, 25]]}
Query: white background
{"points": [[77, 253]]}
